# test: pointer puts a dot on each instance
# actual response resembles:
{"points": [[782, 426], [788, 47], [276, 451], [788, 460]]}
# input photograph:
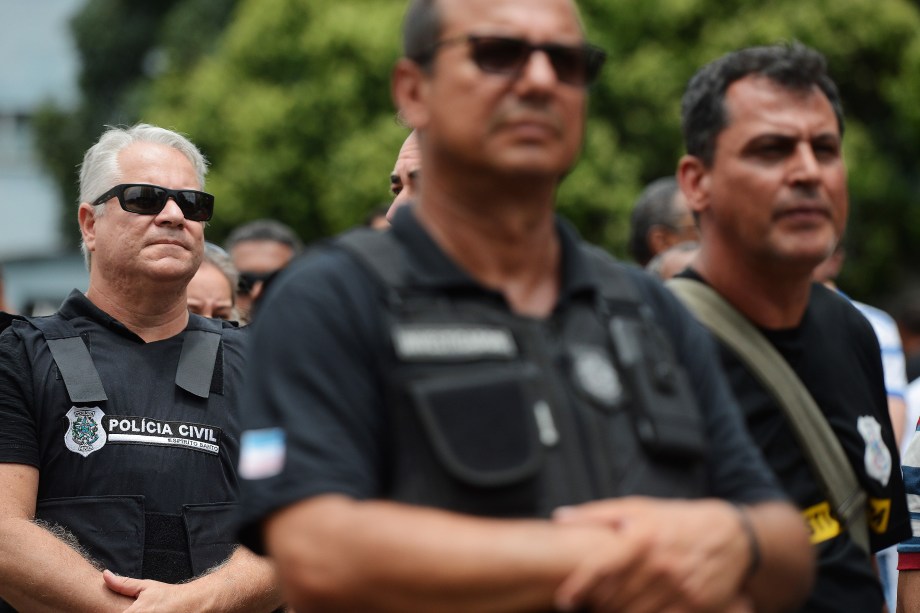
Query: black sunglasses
{"points": [[146, 199], [577, 65], [248, 280]]}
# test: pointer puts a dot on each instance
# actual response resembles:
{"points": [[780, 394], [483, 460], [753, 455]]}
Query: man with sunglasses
{"points": [[119, 412], [423, 400], [259, 250]]}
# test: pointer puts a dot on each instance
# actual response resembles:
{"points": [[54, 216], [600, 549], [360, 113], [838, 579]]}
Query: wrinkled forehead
{"points": [[410, 153], [547, 18]]}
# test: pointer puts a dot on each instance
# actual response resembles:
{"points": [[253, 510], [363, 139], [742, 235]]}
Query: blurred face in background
{"points": [[406, 174], [257, 260], [210, 294]]}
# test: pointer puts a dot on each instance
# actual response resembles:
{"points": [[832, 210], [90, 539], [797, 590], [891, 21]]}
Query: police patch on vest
{"points": [[596, 376], [877, 457], [85, 433], [145, 431], [452, 342]]}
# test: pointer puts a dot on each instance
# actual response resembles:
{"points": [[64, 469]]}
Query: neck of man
{"points": [[152, 311], [501, 232], [771, 295]]}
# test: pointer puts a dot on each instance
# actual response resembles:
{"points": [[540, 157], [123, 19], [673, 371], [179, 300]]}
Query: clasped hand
{"points": [[674, 557]]}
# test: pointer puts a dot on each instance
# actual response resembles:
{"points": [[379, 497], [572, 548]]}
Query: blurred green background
{"points": [[289, 99]]}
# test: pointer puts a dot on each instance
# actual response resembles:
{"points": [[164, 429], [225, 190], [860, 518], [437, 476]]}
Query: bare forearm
{"points": [[244, 583], [908, 591], [786, 571], [338, 554], [39, 572]]}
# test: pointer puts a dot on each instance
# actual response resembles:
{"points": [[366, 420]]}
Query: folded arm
{"points": [[695, 555], [244, 583], [338, 554], [38, 570]]}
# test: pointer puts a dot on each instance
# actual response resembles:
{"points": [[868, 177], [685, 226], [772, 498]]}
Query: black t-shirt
{"points": [[316, 406], [835, 353]]}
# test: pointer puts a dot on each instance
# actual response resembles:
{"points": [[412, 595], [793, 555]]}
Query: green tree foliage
{"points": [[293, 109], [873, 50], [294, 112], [122, 45]]}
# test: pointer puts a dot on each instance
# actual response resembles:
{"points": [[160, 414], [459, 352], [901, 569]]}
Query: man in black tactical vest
{"points": [[119, 412], [475, 410]]}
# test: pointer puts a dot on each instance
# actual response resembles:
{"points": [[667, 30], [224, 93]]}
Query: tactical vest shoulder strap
{"points": [[663, 402], [199, 357], [196, 361], [7, 319], [72, 358], [615, 285], [379, 252]]}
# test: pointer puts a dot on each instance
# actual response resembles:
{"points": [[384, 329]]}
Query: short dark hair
{"points": [[421, 31], [265, 230], [793, 66], [654, 207]]}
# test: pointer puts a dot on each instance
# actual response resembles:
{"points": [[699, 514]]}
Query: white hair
{"points": [[100, 172]]}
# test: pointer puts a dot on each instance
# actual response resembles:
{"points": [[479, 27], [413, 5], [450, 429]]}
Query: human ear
{"points": [[409, 89], [86, 216], [694, 179]]}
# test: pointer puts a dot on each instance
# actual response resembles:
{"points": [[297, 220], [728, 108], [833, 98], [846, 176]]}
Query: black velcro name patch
{"points": [[452, 342]]}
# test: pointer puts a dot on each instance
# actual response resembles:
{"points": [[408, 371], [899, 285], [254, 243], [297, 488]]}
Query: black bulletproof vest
{"points": [[116, 529], [501, 415]]}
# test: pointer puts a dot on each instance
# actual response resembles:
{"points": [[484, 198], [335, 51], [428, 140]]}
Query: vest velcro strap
{"points": [[72, 358], [77, 369], [166, 554], [196, 362]]}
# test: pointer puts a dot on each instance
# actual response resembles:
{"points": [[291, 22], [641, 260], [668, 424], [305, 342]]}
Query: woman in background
{"points": [[212, 291]]}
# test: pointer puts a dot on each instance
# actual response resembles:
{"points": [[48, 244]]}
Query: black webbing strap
{"points": [[817, 440], [615, 285], [379, 252], [72, 358], [198, 357], [662, 398]]}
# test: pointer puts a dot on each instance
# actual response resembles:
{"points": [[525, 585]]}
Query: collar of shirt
{"points": [[77, 305], [430, 267]]}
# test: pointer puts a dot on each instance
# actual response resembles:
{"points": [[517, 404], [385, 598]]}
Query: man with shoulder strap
{"points": [[476, 411], [765, 176], [120, 411]]}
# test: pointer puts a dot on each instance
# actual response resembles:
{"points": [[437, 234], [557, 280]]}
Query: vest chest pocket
{"points": [[476, 441]]}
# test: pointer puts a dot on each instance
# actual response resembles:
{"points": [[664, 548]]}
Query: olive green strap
{"points": [[821, 446]]}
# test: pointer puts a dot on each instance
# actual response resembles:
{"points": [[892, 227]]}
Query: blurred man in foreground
{"points": [[425, 399]]}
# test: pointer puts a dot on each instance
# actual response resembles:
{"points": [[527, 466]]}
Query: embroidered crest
{"points": [[878, 457], [596, 375], [85, 433]]}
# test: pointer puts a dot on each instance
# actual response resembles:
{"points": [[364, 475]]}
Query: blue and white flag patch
{"points": [[262, 453]]}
